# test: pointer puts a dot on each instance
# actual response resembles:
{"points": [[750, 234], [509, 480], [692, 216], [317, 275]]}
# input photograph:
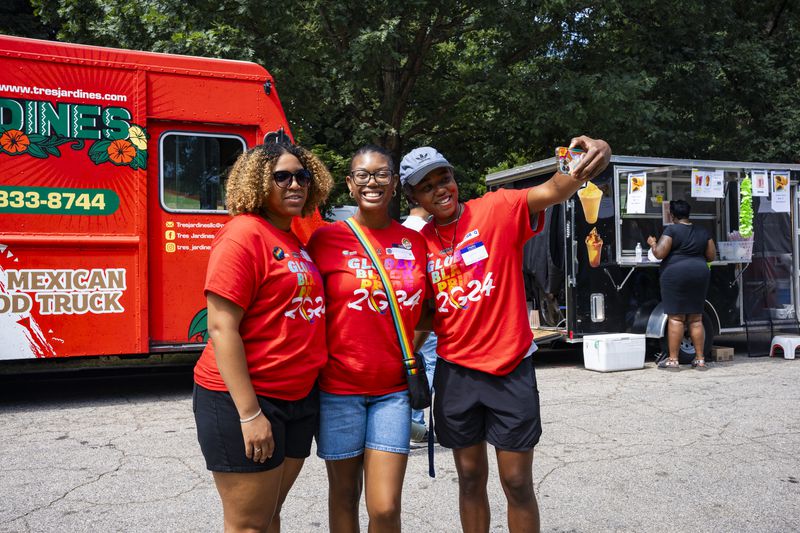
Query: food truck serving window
{"points": [[646, 215], [194, 169]]}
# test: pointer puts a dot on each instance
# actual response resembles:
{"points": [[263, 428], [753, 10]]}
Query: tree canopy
{"points": [[490, 84]]}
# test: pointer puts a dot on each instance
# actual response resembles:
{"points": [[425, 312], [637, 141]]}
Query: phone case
{"points": [[568, 158]]}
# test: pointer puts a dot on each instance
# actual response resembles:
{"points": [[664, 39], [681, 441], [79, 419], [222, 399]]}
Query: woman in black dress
{"points": [[684, 250]]}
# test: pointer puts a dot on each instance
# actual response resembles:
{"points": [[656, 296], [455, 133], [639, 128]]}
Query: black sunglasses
{"points": [[283, 178]]}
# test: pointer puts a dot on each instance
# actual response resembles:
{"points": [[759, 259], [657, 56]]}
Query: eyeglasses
{"points": [[283, 178], [362, 177]]}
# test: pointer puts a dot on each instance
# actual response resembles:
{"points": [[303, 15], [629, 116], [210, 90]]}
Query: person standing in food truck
{"points": [[485, 382], [255, 398]]}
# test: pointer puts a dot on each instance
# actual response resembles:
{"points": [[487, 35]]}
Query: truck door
{"points": [[186, 209]]}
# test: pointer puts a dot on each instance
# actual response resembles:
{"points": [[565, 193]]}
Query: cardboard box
{"points": [[720, 354], [612, 352]]}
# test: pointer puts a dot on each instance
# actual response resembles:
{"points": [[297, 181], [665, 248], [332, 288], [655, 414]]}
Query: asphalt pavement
{"points": [[642, 450]]}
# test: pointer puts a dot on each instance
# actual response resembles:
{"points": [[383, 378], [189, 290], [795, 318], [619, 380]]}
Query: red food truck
{"points": [[112, 172]]}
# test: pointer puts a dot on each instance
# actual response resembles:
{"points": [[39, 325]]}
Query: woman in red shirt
{"points": [[484, 381], [255, 400], [365, 415]]}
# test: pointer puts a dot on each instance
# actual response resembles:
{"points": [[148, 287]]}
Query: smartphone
{"points": [[568, 158]]}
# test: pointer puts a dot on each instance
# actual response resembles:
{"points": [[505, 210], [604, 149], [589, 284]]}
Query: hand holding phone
{"points": [[568, 158]]}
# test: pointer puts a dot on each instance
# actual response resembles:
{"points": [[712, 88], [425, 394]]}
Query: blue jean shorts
{"points": [[349, 423]]}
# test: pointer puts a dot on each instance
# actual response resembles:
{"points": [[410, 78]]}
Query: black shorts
{"points": [[220, 432], [471, 406]]}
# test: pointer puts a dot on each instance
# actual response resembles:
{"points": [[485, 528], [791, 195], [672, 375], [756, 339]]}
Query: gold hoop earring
{"points": [[394, 192], [352, 195]]}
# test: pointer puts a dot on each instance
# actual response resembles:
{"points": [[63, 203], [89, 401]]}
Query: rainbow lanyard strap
{"points": [[409, 357]]}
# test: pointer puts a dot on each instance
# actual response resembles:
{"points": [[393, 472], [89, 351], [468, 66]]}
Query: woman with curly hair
{"points": [[255, 400]]}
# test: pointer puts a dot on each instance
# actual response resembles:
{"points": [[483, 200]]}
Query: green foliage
{"points": [[17, 17], [491, 84]]}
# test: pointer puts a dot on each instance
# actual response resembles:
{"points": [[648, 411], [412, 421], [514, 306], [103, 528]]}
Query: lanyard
{"points": [[409, 358]]}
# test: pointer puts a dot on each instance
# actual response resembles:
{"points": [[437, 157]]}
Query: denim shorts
{"points": [[349, 423]]}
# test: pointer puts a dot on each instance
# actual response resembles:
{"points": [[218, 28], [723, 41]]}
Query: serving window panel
{"points": [[662, 185]]}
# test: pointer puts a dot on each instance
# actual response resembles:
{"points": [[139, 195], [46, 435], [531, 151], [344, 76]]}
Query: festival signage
{"points": [[780, 191], [761, 182], [637, 193], [708, 183]]}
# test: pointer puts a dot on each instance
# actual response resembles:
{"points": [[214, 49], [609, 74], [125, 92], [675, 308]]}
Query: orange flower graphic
{"points": [[14, 141], [121, 152]]}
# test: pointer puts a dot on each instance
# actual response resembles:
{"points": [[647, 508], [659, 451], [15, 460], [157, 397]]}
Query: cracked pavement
{"points": [[640, 450]]}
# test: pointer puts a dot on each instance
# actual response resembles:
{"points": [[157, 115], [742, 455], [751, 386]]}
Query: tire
{"points": [[549, 308], [686, 351]]}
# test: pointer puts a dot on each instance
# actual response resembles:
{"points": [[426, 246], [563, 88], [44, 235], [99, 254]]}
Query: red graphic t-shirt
{"points": [[475, 271], [269, 274], [364, 351]]}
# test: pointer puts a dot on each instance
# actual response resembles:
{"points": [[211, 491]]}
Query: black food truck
{"points": [[589, 272]]}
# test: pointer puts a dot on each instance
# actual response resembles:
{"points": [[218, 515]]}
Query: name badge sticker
{"points": [[402, 253], [474, 253]]}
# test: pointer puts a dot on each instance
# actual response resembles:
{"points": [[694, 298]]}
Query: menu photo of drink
{"points": [[637, 193], [760, 182], [780, 191], [708, 183]]}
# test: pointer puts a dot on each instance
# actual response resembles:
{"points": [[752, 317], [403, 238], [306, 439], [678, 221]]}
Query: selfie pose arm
{"points": [[561, 187]]}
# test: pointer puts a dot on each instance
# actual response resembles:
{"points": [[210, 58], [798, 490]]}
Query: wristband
{"points": [[250, 418]]}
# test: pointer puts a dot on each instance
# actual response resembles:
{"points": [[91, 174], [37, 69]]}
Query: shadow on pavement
{"points": [[96, 384]]}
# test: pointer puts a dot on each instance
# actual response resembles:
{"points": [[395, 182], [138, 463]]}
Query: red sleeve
{"points": [[526, 224], [233, 272]]}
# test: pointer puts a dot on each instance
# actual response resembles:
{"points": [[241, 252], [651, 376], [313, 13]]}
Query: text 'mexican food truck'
{"points": [[112, 174]]}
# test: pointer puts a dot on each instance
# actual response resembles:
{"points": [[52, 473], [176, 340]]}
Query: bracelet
{"points": [[250, 418]]}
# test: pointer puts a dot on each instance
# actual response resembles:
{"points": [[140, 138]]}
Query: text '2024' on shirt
{"points": [[364, 351], [268, 273], [475, 270]]}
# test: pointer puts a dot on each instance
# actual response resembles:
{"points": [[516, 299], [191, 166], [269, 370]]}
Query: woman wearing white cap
{"points": [[485, 382]]}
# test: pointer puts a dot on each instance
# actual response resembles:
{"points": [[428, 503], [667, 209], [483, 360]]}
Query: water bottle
{"points": [[638, 252]]}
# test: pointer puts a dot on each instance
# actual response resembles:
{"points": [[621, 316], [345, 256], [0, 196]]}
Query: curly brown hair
{"points": [[250, 180]]}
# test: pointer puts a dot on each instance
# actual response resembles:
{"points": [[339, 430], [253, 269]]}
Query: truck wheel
{"points": [[686, 352], [548, 307]]}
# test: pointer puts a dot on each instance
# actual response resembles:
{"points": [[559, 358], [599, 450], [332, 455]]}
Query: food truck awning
{"points": [[549, 165]]}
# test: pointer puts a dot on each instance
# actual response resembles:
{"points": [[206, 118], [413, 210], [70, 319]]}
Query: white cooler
{"points": [[613, 351]]}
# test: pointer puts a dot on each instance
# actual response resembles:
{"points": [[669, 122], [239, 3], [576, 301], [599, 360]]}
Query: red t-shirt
{"points": [[364, 354], [481, 319], [268, 273]]}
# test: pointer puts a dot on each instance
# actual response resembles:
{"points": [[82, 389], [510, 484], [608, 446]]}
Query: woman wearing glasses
{"points": [[255, 403], [365, 416]]}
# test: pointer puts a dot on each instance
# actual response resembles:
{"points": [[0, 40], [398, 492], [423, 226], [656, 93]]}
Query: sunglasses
{"points": [[283, 178]]}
